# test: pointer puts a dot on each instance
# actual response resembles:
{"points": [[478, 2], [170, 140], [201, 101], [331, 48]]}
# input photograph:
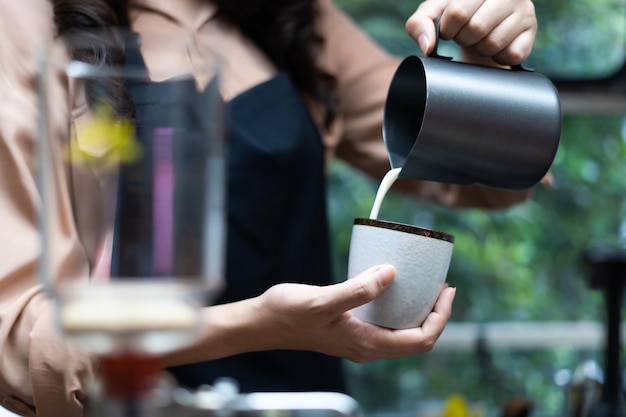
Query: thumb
{"points": [[421, 25], [360, 289]]}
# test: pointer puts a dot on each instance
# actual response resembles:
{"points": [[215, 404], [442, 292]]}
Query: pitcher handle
{"points": [[435, 52]]}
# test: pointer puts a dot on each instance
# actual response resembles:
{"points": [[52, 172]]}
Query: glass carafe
{"points": [[132, 177]]}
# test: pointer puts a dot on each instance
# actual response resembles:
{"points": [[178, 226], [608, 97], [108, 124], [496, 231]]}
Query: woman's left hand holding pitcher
{"points": [[489, 31]]}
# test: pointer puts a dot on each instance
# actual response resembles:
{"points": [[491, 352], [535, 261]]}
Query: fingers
{"points": [[360, 289], [502, 30], [436, 321], [421, 27], [547, 180], [378, 342], [505, 37], [518, 50], [423, 338]]}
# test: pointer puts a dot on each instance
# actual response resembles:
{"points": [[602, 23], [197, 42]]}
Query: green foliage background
{"points": [[518, 264]]}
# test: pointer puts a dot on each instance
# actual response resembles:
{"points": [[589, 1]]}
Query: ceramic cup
{"points": [[421, 258]]}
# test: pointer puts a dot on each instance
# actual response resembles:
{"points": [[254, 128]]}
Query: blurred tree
{"points": [[522, 263]]}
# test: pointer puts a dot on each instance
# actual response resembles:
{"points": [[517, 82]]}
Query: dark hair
{"points": [[283, 29], [78, 21]]}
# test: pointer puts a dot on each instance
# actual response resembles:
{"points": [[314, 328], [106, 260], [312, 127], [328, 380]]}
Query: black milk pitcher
{"points": [[461, 123]]}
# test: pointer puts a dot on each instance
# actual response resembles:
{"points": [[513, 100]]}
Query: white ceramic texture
{"points": [[421, 264]]}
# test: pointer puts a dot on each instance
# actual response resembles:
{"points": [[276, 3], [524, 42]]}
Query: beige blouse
{"points": [[43, 374]]}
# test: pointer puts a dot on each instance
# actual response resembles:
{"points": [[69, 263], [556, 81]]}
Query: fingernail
{"points": [[385, 274], [424, 43]]}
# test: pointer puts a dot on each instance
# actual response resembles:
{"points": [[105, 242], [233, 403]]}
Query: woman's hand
{"points": [[501, 31], [317, 318], [313, 318]]}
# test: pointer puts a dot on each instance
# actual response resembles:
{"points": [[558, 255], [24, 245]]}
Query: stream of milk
{"points": [[388, 180]]}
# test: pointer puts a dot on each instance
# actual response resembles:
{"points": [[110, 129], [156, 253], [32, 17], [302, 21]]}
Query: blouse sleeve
{"points": [[364, 72], [41, 373]]}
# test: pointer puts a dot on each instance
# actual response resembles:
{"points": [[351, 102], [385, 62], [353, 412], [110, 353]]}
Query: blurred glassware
{"points": [[140, 179]]}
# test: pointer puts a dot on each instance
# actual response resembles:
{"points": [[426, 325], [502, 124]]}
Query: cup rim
{"points": [[407, 228]]}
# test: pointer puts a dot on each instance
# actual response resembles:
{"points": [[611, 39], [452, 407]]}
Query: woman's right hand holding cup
{"points": [[314, 318], [305, 317]]}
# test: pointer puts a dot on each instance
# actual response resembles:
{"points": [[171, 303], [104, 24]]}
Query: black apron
{"points": [[277, 228], [277, 231]]}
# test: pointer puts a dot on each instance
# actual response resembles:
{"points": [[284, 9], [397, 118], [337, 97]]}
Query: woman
{"points": [[337, 79]]}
